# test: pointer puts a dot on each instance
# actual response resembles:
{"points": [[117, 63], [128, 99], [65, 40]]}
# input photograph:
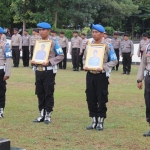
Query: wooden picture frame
{"points": [[95, 56], [41, 51]]}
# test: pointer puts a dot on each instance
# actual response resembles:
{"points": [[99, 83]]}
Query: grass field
{"points": [[124, 126]]}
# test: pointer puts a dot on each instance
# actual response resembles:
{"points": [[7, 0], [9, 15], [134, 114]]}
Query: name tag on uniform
{"points": [[57, 48], [8, 52]]}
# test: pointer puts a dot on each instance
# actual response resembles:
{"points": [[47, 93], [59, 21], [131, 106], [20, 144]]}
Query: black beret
{"points": [[75, 31], [145, 34], [62, 32], [126, 34], [16, 29], [53, 31], [115, 33], [83, 34], [26, 30]]}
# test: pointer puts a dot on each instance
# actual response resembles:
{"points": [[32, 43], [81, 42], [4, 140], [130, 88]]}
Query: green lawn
{"points": [[124, 126]]}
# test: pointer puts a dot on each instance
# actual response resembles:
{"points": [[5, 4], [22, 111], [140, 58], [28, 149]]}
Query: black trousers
{"points": [[32, 49], [81, 59], [75, 57], [126, 62], [97, 94], [117, 54], [25, 57], [141, 52], [2, 89], [15, 55], [45, 81], [147, 97], [62, 64]]}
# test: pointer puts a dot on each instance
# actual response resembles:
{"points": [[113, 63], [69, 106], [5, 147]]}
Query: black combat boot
{"points": [[41, 117], [1, 113], [47, 118], [100, 123], [147, 134], [93, 125]]}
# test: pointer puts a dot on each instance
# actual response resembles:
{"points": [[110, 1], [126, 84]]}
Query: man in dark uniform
{"points": [[97, 84], [76, 50], [25, 48], [126, 51], [144, 74], [16, 46], [5, 67], [45, 77]]}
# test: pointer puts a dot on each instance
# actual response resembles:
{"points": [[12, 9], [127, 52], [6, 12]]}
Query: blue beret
{"points": [[98, 27], [44, 25], [1, 30]]}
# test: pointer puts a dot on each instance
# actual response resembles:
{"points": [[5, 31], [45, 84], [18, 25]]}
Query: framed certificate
{"points": [[41, 51], [95, 56]]}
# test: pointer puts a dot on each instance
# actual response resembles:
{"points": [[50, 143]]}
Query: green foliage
{"points": [[109, 30]]}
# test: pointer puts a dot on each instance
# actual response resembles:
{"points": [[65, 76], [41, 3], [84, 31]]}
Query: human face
{"points": [[15, 31], [83, 36], [115, 36], [105, 36], [97, 36], [126, 38], [53, 34], [42, 47], [75, 34], [95, 54], [144, 38], [44, 33], [25, 33], [61, 35]]}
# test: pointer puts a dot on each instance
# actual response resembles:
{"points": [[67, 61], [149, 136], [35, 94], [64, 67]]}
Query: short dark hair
{"points": [[15, 29], [26, 30], [75, 31], [145, 34], [36, 30], [62, 32], [83, 34], [53, 31], [126, 34], [115, 33]]}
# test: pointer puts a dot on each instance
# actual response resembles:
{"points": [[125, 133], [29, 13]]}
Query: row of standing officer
{"points": [[124, 48]]}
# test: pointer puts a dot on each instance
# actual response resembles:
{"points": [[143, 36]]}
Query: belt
{"points": [[39, 68], [1, 67], [97, 72]]}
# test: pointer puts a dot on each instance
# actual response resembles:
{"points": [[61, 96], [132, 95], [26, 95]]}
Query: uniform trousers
{"points": [[45, 81], [117, 54], [126, 62], [147, 97], [75, 57], [97, 94], [81, 59], [32, 49], [15, 55], [25, 57], [2, 89], [62, 64]]}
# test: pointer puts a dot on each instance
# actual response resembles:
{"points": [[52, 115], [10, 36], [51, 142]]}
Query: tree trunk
{"points": [[24, 25], [56, 15]]}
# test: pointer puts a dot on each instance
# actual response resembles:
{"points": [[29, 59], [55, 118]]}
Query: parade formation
{"points": [[97, 79]]}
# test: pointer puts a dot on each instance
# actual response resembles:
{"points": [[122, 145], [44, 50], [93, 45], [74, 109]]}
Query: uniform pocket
{"points": [[104, 97]]}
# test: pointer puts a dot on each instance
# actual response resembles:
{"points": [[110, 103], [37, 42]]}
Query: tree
{"points": [[5, 14]]}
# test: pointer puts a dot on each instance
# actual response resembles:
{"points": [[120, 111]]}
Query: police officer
{"points": [[63, 41], [84, 42], [143, 43], [16, 46], [116, 45], [25, 48], [75, 50], [106, 39], [3, 37], [33, 39], [54, 35], [144, 74], [126, 51], [45, 77], [97, 84], [5, 66]]}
